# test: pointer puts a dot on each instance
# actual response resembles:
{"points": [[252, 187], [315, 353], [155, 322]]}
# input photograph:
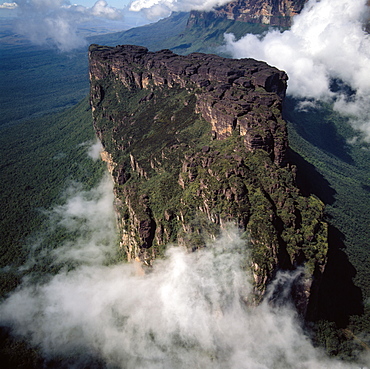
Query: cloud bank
{"points": [[55, 22], [189, 310], [155, 9], [326, 42]]}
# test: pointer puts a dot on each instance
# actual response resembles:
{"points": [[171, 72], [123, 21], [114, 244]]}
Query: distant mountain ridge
{"points": [[204, 31], [268, 12]]}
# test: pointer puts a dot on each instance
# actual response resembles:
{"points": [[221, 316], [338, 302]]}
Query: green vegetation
{"points": [[153, 36], [204, 37], [321, 137], [338, 174], [39, 160], [208, 37], [36, 81]]}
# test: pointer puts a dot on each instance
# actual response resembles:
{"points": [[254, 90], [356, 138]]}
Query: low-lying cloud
{"points": [[84, 227], [90, 217], [188, 311], [55, 22], [81, 229], [155, 9], [94, 149], [326, 42]]}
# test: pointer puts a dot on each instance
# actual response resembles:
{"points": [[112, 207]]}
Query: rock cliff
{"points": [[230, 94], [194, 142], [269, 12]]}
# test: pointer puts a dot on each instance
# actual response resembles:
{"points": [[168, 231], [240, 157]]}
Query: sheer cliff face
{"points": [[194, 142], [269, 12]]}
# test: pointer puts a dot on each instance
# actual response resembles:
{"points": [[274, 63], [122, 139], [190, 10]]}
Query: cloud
{"points": [[155, 9], [188, 311], [326, 42], [55, 22], [94, 150], [8, 6], [103, 10], [90, 216], [84, 225]]}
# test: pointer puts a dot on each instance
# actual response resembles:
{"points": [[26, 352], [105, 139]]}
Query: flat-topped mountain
{"points": [[194, 142]]}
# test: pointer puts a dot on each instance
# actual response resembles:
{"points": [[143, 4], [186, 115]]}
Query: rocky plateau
{"points": [[198, 142]]}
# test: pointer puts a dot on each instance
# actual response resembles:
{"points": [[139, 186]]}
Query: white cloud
{"points": [[155, 9], [84, 225], [103, 10], [90, 215], [95, 150], [188, 311], [8, 5], [55, 22], [327, 41]]}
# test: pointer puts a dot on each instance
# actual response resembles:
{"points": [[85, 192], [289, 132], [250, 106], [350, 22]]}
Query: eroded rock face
{"points": [[195, 142], [240, 95], [269, 12]]}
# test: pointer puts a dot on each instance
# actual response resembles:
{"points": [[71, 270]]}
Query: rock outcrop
{"points": [[269, 12], [243, 95], [195, 142]]}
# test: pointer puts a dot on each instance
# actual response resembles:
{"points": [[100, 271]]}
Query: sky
{"points": [[87, 3], [137, 4], [119, 4]]}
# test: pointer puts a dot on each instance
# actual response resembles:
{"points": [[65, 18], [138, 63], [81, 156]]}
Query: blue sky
{"points": [[114, 3], [88, 3]]}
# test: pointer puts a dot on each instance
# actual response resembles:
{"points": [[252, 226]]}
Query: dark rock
{"points": [[232, 102]]}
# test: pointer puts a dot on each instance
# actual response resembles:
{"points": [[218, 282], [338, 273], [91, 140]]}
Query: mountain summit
{"points": [[196, 142]]}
